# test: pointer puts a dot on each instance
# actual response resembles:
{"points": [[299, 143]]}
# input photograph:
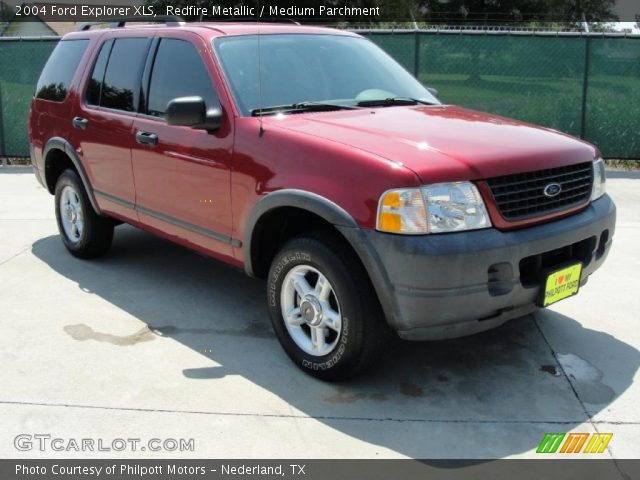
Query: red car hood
{"points": [[444, 143]]}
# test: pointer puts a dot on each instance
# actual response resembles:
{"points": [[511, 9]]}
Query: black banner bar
{"points": [[565, 469], [335, 11]]}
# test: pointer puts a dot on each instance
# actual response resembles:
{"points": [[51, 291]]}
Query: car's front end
{"points": [[459, 261]]}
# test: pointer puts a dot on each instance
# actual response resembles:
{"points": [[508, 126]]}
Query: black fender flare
{"points": [[59, 143], [344, 223], [312, 202]]}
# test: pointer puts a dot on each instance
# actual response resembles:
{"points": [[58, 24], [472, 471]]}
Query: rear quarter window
{"points": [[56, 76]]}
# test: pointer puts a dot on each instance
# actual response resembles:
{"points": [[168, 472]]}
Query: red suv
{"points": [[307, 156]]}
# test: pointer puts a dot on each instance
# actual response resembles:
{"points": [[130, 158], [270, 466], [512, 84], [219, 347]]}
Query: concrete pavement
{"points": [[155, 341]]}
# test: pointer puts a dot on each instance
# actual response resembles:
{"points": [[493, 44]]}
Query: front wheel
{"points": [[323, 308]]}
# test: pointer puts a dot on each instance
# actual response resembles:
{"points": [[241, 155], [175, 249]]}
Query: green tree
{"points": [[508, 11], [6, 12]]}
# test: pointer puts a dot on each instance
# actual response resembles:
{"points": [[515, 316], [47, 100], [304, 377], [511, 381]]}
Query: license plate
{"points": [[561, 284]]}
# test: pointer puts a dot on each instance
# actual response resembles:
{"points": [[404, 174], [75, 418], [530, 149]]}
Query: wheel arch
{"points": [[58, 154], [268, 213], [334, 217]]}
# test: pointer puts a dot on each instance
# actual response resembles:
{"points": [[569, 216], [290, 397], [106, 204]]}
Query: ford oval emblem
{"points": [[552, 190]]}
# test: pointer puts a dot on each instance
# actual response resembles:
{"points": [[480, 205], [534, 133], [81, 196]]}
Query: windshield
{"points": [[302, 68]]}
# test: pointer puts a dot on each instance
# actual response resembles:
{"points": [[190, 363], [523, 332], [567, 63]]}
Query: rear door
{"points": [[104, 121], [183, 174]]}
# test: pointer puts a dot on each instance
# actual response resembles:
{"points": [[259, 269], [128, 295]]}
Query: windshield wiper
{"points": [[299, 108], [387, 102]]}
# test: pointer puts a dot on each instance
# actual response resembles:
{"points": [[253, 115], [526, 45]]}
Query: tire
{"points": [[325, 345], [84, 233]]}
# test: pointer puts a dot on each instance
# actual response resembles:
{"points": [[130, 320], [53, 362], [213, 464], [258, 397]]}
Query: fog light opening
{"points": [[602, 245]]}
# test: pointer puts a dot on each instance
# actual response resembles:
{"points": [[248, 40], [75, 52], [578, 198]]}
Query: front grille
{"points": [[533, 268], [522, 196]]}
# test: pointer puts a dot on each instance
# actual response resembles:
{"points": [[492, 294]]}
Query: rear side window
{"points": [[120, 88], [56, 76], [178, 71], [94, 90]]}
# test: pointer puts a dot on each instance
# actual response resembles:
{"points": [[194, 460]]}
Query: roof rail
{"points": [[169, 20], [254, 19]]}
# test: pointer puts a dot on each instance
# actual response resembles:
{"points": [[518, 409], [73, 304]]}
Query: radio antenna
{"points": [[261, 131]]}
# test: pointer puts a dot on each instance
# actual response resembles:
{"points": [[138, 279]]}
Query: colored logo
{"points": [[552, 190], [574, 443]]}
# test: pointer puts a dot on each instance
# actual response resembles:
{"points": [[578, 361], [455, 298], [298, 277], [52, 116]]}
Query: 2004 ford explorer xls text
{"points": [[309, 157]]}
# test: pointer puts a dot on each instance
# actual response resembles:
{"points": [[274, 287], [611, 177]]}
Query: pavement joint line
{"points": [[314, 417], [575, 392], [24, 250]]}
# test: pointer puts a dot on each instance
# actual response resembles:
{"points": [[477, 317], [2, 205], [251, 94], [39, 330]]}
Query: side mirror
{"points": [[192, 112], [432, 91]]}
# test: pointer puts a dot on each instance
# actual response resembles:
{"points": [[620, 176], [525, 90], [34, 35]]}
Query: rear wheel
{"points": [[323, 308], [84, 233]]}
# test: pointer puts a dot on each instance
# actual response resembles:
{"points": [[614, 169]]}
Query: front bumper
{"points": [[450, 285]]}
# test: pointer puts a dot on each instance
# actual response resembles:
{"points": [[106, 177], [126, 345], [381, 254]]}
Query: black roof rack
{"points": [[169, 20]]}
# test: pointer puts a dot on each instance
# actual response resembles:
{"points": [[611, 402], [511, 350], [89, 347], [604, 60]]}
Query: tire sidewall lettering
{"points": [[335, 356], [279, 268]]}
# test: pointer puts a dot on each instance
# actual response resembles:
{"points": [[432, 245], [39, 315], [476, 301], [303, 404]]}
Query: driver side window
{"points": [[178, 71]]}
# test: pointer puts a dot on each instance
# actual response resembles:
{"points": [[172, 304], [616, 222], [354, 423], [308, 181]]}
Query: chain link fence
{"points": [[585, 85], [21, 61]]}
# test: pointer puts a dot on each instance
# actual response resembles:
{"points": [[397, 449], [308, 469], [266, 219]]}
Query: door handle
{"points": [[80, 123], [146, 138]]}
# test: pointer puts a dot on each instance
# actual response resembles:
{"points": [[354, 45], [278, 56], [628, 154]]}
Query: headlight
{"points": [[599, 180], [454, 207], [437, 208]]}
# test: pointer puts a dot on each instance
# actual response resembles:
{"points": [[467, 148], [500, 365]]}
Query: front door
{"points": [[182, 175]]}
